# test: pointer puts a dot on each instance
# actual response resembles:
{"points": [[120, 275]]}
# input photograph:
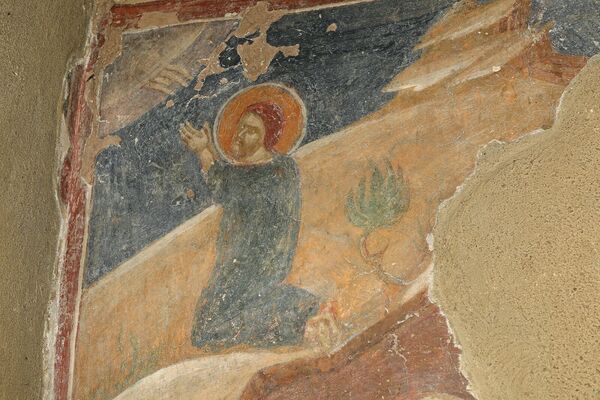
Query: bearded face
{"points": [[249, 137]]}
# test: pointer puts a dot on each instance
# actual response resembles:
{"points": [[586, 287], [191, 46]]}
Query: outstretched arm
{"points": [[199, 142]]}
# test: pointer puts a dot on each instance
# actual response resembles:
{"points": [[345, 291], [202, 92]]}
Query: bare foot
{"points": [[323, 330]]}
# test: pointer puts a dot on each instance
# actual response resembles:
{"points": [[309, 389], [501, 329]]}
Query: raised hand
{"points": [[197, 140]]}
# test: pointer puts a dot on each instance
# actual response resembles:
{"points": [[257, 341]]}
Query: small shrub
{"points": [[383, 204]]}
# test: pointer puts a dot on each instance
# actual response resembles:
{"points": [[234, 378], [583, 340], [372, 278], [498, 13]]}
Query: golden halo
{"points": [[287, 99]]}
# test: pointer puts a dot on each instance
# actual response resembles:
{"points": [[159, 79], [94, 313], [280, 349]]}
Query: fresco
{"points": [[263, 179]]}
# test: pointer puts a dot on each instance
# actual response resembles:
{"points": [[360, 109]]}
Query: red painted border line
{"points": [[127, 16], [72, 194]]}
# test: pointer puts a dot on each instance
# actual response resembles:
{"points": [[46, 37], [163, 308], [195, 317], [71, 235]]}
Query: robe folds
{"points": [[246, 301]]}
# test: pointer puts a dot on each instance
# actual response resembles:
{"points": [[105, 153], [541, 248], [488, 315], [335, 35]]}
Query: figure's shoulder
{"points": [[220, 164], [284, 160], [286, 163], [219, 168]]}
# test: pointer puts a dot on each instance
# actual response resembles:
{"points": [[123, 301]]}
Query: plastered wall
{"points": [[517, 258], [38, 38]]}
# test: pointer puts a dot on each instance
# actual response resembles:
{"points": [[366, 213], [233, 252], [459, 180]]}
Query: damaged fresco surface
{"points": [[263, 179]]}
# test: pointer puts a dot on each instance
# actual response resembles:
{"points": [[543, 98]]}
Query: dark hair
{"points": [[272, 117]]}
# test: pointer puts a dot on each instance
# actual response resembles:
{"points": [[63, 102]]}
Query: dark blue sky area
{"points": [[141, 186]]}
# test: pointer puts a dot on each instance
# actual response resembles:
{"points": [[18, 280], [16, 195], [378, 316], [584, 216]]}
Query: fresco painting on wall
{"points": [[250, 174], [263, 183]]}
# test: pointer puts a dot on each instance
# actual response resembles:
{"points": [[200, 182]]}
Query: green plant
{"points": [[381, 205]]}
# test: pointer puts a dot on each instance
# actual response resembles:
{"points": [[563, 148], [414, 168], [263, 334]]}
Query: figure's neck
{"points": [[262, 155]]}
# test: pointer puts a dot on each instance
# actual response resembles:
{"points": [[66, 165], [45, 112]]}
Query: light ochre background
{"points": [[37, 39]]}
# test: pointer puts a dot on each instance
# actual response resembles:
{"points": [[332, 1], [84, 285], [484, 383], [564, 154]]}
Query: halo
{"points": [[294, 113]]}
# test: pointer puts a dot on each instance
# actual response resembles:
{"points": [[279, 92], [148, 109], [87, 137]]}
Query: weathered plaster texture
{"points": [[38, 38], [518, 259]]}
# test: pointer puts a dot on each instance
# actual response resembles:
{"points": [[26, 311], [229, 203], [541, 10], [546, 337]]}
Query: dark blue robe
{"points": [[246, 301]]}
